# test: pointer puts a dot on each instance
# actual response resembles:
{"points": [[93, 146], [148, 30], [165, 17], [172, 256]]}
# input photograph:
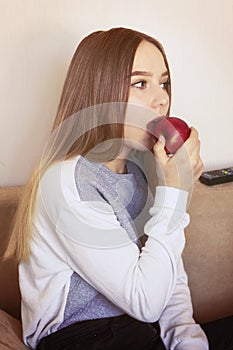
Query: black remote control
{"points": [[215, 177]]}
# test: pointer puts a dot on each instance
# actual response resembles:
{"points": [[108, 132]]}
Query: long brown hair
{"points": [[98, 75]]}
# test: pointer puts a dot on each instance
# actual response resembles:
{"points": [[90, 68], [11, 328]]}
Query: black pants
{"points": [[220, 333], [124, 332], [115, 333]]}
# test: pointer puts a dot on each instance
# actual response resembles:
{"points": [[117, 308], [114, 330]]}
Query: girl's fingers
{"points": [[159, 151], [184, 167], [191, 143]]}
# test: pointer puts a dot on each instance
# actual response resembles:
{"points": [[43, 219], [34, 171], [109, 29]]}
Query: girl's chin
{"points": [[143, 145]]}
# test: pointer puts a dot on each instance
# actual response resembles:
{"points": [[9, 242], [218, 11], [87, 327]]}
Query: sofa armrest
{"points": [[10, 333], [9, 291]]}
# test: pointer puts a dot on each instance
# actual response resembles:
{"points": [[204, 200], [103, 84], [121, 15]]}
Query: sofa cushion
{"points": [[10, 333], [208, 254]]}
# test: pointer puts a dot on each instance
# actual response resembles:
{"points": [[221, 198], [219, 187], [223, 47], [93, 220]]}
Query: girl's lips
{"points": [[151, 125]]}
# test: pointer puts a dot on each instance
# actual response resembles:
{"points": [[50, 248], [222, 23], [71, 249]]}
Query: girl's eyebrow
{"points": [[164, 74], [139, 72], [147, 74]]}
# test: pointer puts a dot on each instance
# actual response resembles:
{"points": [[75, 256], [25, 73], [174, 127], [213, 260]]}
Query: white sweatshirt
{"points": [[85, 236]]}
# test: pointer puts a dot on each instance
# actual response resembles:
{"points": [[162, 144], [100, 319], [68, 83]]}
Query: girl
{"points": [[99, 244]]}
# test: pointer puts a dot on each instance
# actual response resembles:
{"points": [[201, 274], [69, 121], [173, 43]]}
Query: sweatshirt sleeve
{"points": [[178, 328]]}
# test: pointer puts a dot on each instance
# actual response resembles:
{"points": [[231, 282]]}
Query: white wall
{"points": [[38, 38]]}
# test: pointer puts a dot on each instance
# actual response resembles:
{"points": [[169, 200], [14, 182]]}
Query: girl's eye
{"points": [[165, 85], [139, 84]]}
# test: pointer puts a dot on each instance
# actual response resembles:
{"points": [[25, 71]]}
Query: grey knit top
{"points": [[129, 197]]}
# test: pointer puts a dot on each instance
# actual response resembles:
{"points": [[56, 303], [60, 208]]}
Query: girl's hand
{"points": [[182, 169]]}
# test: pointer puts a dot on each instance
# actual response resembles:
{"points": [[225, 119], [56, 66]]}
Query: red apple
{"points": [[173, 129]]}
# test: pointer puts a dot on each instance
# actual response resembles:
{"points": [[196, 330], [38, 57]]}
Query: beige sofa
{"points": [[208, 259]]}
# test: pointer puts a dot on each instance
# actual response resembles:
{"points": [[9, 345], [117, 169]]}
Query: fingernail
{"points": [[162, 139]]}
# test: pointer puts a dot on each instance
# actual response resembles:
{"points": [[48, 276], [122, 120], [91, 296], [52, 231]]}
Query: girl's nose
{"points": [[160, 100]]}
